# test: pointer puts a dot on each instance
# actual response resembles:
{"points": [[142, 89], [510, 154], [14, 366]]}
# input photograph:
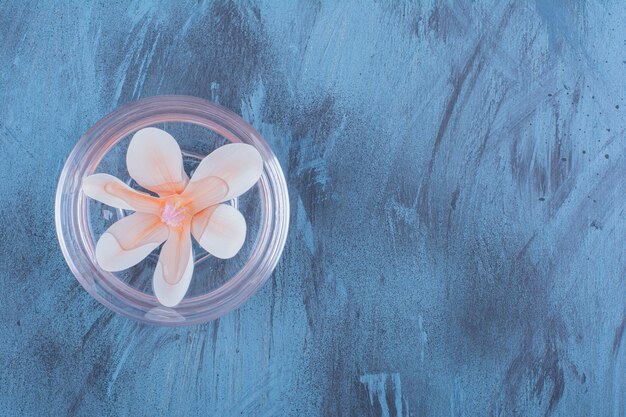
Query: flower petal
{"points": [[221, 230], [238, 164], [171, 295], [173, 257], [205, 192], [129, 240], [173, 272], [113, 192], [154, 160]]}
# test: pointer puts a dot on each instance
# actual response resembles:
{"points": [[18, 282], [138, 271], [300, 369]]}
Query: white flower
{"points": [[184, 207]]}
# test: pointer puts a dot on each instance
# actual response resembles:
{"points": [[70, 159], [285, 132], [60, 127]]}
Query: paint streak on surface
{"points": [[379, 387], [456, 175]]}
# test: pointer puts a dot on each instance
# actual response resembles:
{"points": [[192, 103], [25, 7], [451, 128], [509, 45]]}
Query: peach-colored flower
{"points": [[184, 207]]}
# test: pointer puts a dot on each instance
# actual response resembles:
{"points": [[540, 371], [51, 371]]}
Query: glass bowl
{"points": [[218, 286]]}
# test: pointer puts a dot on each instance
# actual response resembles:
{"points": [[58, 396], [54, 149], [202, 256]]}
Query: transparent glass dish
{"points": [[218, 286]]}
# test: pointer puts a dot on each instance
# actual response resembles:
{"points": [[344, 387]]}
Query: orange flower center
{"points": [[174, 212]]}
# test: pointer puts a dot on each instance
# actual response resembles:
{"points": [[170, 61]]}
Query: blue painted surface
{"points": [[458, 215]]}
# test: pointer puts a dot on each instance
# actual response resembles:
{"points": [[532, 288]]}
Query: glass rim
{"points": [[77, 244]]}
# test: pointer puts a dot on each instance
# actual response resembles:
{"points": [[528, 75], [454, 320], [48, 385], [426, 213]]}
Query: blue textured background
{"points": [[457, 178]]}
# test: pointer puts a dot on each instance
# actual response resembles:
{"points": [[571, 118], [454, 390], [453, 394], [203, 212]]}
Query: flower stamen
{"points": [[174, 213]]}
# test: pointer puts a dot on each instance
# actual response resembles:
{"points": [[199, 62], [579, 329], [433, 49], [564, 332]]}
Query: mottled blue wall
{"points": [[457, 179]]}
